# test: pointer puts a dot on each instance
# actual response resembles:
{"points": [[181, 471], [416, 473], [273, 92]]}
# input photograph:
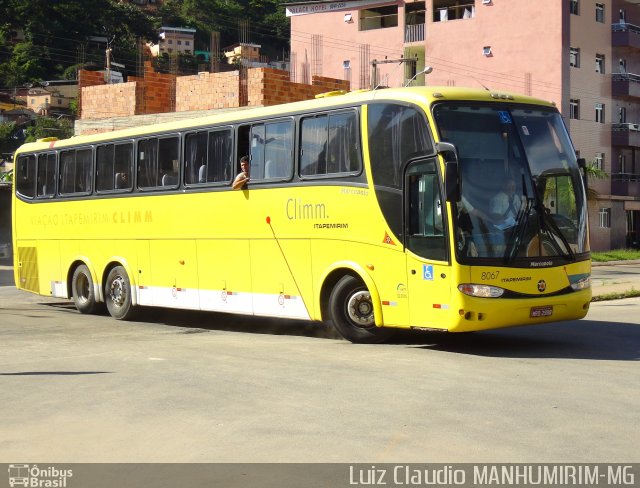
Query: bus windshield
{"points": [[521, 190]]}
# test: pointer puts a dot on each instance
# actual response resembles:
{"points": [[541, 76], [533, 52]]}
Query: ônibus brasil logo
{"points": [[34, 476]]}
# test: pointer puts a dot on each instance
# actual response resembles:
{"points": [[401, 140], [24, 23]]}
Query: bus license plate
{"points": [[545, 311]]}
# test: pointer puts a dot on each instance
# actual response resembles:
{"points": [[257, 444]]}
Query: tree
{"points": [[6, 131], [49, 127], [56, 32], [594, 172]]}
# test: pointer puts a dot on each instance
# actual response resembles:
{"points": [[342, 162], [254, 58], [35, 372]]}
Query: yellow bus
{"points": [[426, 208]]}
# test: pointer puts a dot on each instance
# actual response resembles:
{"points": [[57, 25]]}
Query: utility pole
{"points": [[374, 68], [108, 53]]}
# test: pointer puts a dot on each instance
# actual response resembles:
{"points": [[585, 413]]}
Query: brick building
{"points": [[583, 55]]}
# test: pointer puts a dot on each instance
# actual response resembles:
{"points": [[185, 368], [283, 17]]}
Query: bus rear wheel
{"points": [[117, 294], [351, 311], [82, 290]]}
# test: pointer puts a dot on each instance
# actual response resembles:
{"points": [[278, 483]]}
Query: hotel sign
{"points": [[324, 7]]}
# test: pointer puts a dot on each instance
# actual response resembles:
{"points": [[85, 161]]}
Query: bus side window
{"points": [[123, 162], [46, 185], [26, 176], [76, 171], [104, 171], [195, 158], [278, 150], [168, 161], [220, 156]]}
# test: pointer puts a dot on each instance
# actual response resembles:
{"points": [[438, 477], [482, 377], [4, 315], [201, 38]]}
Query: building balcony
{"points": [[413, 33], [625, 85], [624, 184], [625, 35], [626, 134]]}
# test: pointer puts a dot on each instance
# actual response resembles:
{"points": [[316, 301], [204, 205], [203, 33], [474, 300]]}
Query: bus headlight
{"points": [[582, 284], [483, 291]]}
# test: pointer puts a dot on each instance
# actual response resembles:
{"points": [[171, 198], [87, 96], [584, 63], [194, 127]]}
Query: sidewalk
{"points": [[615, 277]]}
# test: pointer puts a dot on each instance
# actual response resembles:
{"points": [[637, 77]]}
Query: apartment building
{"points": [[580, 54], [174, 40]]}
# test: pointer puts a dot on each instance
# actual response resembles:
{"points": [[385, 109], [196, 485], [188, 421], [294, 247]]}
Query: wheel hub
{"points": [[83, 288], [360, 309], [117, 291]]}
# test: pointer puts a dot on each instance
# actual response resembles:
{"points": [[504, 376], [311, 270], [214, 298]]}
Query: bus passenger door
{"points": [[428, 271]]}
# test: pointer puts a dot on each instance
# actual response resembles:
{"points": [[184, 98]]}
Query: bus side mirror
{"points": [[582, 164], [451, 174]]}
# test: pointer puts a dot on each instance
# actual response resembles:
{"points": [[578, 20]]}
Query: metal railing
{"points": [[624, 27], [625, 127], [625, 77], [625, 177], [414, 33]]}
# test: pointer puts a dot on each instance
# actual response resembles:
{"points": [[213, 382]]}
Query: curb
{"points": [[615, 263]]}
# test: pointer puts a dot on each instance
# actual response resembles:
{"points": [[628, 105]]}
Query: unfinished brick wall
{"points": [[268, 86], [208, 90], [159, 93], [87, 78], [103, 101], [154, 93]]}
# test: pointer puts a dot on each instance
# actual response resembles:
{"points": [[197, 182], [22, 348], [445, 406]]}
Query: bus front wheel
{"points": [[84, 295], [351, 311], [117, 294]]}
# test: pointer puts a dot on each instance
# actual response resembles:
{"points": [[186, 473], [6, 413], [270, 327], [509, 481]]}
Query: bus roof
{"points": [[421, 95]]}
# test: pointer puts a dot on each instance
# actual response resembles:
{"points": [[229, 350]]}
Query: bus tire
{"points": [[82, 290], [351, 312], [117, 294]]}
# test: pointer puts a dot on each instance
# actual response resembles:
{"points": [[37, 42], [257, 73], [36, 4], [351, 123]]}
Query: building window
{"points": [[599, 63], [622, 162], [622, 115], [600, 12], [622, 64], [605, 218], [379, 17], [444, 10], [170, 41], [598, 161], [600, 113], [574, 7], [574, 57], [414, 13], [187, 43], [574, 108]]}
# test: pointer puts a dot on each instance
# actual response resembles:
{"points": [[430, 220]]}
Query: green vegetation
{"points": [[617, 295], [615, 255], [44, 40], [48, 127], [6, 176]]}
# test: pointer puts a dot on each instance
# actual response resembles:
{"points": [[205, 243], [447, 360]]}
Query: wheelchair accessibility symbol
{"points": [[427, 272]]}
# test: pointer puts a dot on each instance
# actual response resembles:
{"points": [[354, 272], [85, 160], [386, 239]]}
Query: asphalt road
{"points": [[196, 387]]}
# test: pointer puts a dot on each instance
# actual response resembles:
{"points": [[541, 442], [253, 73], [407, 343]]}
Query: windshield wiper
{"points": [[544, 220], [520, 227], [556, 230]]}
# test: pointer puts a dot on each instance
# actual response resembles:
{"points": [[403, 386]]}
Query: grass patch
{"points": [[616, 295], [615, 255]]}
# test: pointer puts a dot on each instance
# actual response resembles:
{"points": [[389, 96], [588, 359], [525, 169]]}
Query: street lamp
{"points": [[425, 71]]}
